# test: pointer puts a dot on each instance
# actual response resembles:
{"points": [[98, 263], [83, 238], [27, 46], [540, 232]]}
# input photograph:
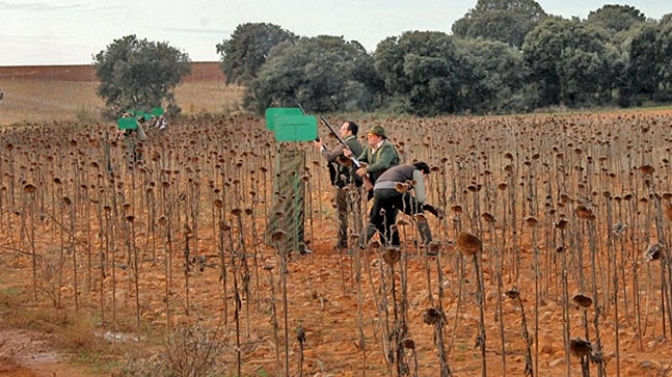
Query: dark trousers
{"points": [[386, 205]]}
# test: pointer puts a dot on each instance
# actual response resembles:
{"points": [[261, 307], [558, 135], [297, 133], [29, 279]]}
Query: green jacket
{"points": [[385, 157]]}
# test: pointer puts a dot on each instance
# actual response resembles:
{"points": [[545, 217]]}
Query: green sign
{"points": [[291, 124], [295, 128], [156, 111], [127, 123], [273, 113], [143, 114]]}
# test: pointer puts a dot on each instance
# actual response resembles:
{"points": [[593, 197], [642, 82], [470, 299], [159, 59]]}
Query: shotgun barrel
{"points": [[339, 138]]}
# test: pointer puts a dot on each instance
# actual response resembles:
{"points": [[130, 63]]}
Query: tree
{"points": [[645, 54], [649, 71], [616, 17], [420, 72], [140, 75], [666, 19], [571, 62], [247, 50], [492, 75], [506, 21], [323, 74]]}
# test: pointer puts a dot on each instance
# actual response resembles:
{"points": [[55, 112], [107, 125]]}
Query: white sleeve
{"points": [[419, 188], [141, 133]]}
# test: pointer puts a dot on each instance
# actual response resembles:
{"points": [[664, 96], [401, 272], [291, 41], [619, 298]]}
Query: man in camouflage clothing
{"points": [[346, 183]]}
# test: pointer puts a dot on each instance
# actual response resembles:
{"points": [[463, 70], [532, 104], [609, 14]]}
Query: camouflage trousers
{"points": [[348, 201]]}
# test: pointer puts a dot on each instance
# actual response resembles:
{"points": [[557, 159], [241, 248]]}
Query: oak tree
{"points": [[139, 75]]}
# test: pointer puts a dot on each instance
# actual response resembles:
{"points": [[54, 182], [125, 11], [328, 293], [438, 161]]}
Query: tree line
{"points": [[503, 56]]}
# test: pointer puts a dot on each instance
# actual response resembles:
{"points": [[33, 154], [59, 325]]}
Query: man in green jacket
{"points": [[379, 155]]}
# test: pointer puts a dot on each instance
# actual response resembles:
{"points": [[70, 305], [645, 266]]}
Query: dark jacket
{"points": [[403, 174], [340, 174]]}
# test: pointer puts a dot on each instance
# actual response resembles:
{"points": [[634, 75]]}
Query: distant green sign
{"points": [[273, 113], [127, 123], [291, 124], [295, 128], [142, 114], [155, 112]]}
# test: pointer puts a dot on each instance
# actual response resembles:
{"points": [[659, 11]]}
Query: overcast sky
{"points": [[56, 32]]}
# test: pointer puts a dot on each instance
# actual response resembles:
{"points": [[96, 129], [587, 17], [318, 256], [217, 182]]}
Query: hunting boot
{"points": [[342, 243], [394, 238], [425, 232], [370, 231], [342, 209]]}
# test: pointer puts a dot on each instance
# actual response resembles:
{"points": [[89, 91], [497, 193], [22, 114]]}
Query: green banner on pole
{"points": [[157, 111], [296, 128], [273, 113], [127, 123]]}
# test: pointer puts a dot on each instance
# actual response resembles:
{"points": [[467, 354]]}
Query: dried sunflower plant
{"points": [[573, 210]]}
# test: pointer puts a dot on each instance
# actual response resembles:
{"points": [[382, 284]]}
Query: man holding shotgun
{"points": [[342, 176], [382, 156]]}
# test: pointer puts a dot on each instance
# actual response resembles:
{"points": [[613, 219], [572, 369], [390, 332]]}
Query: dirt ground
{"points": [[31, 354], [68, 93], [323, 300], [51, 93]]}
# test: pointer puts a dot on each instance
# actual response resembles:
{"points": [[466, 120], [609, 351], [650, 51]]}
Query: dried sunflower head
{"points": [[391, 255], [469, 244], [654, 252], [580, 347], [278, 235], [433, 316], [512, 293], [582, 300]]}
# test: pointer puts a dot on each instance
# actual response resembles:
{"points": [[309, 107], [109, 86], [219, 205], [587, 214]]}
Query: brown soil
{"points": [[50, 93], [31, 354], [35, 94], [200, 72], [323, 299]]}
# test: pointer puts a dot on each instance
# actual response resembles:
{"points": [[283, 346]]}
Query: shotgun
{"points": [[366, 181], [339, 138], [438, 212], [333, 173]]}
